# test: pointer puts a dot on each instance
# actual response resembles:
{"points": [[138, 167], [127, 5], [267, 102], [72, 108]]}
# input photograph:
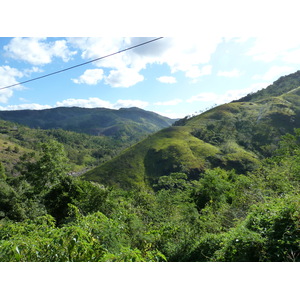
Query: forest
{"points": [[50, 216]]}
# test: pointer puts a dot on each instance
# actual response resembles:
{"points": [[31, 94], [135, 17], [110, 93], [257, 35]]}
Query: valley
{"points": [[219, 186]]}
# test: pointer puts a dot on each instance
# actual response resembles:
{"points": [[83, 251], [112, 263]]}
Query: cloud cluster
{"points": [[90, 77], [124, 77], [188, 55], [32, 106], [86, 103], [8, 77], [168, 103], [37, 51], [228, 96], [167, 79], [274, 72], [271, 47], [92, 102], [230, 74]]}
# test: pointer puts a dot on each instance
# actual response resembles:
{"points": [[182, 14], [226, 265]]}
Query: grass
{"points": [[234, 135], [172, 149]]}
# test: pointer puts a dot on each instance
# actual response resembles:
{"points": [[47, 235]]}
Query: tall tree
{"points": [[49, 169]]}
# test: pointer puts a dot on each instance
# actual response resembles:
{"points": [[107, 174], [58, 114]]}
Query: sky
{"points": [[173, 76], [210, 54]]}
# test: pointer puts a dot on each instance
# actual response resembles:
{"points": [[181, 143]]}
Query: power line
{"points": [[79, 65]]}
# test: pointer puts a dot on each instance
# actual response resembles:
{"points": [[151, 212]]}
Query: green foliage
{"points": [[41, 241], [173, 181], [221, 187], [240, 245], [49, 169], [235, 136], [87, 197], [172, 150], [278, 222], [205, 247], [215, 186]]}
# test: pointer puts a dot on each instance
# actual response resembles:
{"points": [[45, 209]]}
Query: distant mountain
{"points": [[125, 123], [232, 136]]}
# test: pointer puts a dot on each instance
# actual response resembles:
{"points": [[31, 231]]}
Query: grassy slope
{"points": [[234, 135], [170, 150]]}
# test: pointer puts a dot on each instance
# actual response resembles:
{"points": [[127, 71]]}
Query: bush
{"points": [[278, 222]]}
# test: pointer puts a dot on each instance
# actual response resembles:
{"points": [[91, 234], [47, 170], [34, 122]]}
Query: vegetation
{"points": [[222, 186], [125, 124], [232, 136], [18, 142], [47, 215]]}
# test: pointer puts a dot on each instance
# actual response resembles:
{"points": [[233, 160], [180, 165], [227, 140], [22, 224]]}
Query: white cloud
{"points": [[195, 71], [292, 56], [123, 78], [166, 79], [8, 77], [170, 102], [33, 106], [171, 114], [232, 73], [60, 49], [185, 54], [37, 51], [228, 96], [87, 103], [130, 103], [92, 102], [272, 47], [90, 77], [96, 47], [28, 72], [204, 97], [274, 73]]}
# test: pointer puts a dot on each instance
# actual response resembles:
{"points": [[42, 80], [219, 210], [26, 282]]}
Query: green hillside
{"points": [[172, 149], [236, 136], [123, 124], [18, 142], [231, 193]]}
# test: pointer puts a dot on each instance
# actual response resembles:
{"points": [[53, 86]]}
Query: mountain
{"points": [[236, 136], [125, 123]]}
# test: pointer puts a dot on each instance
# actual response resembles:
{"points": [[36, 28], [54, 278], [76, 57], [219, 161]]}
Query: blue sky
{"points": [[175, 76]]}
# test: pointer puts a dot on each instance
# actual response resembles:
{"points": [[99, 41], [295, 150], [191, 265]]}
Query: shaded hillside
{"points": [[233, 136], [124, 124], [170, 150]]}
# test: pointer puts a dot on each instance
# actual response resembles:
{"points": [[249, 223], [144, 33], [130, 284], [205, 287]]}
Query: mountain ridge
{"points": [[128, 123], [236, 135]]}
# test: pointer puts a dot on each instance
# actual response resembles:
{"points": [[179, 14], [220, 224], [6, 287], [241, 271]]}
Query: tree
{"points": [[86, 197], [215, 186], [49, 169]]}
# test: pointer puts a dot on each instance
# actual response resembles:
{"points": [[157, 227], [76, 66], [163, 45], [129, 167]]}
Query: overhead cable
{"points": [[79, 65]]}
